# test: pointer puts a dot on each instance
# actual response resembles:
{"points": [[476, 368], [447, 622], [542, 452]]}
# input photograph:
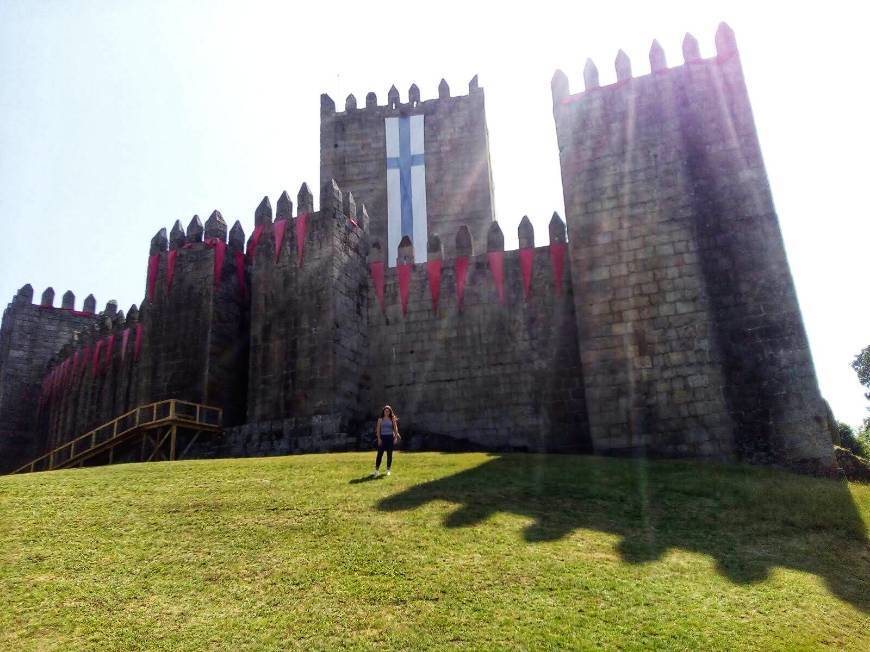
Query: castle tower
{"points": [[30, 336], [690, 334], [309, 288], [194, 342], [422, 167]]}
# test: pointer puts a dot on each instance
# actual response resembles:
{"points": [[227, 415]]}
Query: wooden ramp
{"points": [[150, 432]]}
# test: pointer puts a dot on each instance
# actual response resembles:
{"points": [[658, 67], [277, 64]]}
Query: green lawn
{"points": [[452, 551]]}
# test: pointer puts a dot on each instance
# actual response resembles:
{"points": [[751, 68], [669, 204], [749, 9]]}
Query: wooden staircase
{"points": [[160, 426]]}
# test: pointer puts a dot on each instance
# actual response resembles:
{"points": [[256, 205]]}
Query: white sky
{"points": [[116, 118]]}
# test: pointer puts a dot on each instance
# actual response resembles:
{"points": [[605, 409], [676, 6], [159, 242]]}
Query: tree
{"points": [[858, 444], [861, 365]]}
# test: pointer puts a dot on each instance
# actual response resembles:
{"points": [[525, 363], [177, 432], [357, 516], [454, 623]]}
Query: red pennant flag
{"points": [[96, 360], [461, 273], [62, 375], [110, 346], [280, 226], [433, 268], [240, 272], [125, 337], [527, 256], [496, 266], [170, 268], [252, 244], [404, 271], [67, 371], [153, 263], [377, 270], [86, 356], [557, 257], [75, 366], [301, 230], [137, 342], [220, 250]]}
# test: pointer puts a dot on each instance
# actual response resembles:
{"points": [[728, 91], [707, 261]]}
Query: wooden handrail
{"points": [[201, 412]]}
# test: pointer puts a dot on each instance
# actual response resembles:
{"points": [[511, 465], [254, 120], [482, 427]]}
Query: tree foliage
{"points": [[861, 365], [858, 443]]}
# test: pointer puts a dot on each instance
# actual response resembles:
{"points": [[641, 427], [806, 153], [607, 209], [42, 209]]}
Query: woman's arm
{"points": [[378, 431]]}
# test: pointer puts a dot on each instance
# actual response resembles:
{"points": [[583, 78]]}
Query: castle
{"points": [[661, 320]]}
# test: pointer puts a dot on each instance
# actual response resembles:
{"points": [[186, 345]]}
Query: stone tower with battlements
{"points": [[688, 323], [439, 148]]}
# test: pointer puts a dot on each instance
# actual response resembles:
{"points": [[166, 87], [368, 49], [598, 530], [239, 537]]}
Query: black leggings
{"points": [[386, 445]]}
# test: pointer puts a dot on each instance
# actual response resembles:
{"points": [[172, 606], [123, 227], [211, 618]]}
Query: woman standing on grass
{"points": [[387, 433]]}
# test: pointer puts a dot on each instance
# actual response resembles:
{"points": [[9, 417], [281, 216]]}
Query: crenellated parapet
{"points": [[531, 264], [726, 49], [394, 103]]}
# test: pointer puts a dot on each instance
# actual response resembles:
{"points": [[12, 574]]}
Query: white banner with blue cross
{"points": [[406, 186]]}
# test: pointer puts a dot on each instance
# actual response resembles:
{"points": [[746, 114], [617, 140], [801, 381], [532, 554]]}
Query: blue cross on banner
{"points": [[406, 186]]}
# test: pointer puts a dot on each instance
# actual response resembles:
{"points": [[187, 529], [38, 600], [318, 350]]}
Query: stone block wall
{"points": [[308, 331], [491, 373], [195, 319], [30, 337], [458, 173], [689, 328], [93, 378]]}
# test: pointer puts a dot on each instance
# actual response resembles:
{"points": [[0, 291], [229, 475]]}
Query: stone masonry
{"points": [[661, 320], [689, 328], [458, 174], [30, 337]]}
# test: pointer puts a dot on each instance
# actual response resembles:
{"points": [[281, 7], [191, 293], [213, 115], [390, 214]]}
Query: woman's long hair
{"points": [[393, 416]]}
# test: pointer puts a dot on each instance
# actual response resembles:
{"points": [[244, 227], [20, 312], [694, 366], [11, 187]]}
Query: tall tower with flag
{"points": [[422, 166]]}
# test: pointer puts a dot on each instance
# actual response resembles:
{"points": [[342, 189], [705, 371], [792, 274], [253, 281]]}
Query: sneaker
{"points": [[388, 472], [375, 473]]}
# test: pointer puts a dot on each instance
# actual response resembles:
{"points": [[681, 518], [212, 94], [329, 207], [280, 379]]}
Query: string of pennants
{"points": [[495, 262], [280, 226], [95, 359]]}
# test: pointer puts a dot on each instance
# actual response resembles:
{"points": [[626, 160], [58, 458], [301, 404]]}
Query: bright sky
{"points": [[116, 118]]}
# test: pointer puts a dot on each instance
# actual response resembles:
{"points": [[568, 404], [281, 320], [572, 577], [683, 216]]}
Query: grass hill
{"points": [[453, 550]]}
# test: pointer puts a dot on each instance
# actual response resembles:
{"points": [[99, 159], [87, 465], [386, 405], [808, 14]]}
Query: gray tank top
{"points": [[386, 428]]}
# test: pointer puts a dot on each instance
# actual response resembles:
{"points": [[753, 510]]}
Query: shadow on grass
{"points": [[368, 477], [749, 520]]}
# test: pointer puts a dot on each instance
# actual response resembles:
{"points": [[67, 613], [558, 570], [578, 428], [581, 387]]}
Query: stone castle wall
{"points": [[307, 330], [492, 371], [189, 341], [689, 327], [195, 331], [30, 336], [95, 377], [663, 322]]}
